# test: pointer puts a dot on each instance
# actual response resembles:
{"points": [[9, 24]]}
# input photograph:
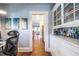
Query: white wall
{"points": [[49, 27]]}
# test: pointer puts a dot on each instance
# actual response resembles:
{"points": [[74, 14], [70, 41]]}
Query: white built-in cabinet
{"points": [[57, 16], [65, 13]]}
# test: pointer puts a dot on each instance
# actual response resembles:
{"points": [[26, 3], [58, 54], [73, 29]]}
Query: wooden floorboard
{"points": [[24, 53], [32, 54], [38, 49]]}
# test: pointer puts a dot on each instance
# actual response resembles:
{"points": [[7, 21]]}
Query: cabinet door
{"points": [[57, 16], [68, 12], [76, 11]]}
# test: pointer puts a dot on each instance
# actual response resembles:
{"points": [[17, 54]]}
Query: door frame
{"points": [[45, 32]]}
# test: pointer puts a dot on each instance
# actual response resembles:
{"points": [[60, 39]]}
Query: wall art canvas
{"points": [[16, 23], [8, 23], [0, 23], [24, 23]]}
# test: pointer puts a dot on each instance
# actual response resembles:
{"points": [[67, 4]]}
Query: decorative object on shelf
{"points": [[72, 32], [16, 23], [7, 23], [23, 23]]}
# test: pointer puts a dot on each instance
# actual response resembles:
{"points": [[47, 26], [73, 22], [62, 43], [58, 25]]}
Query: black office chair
{"points": [[11, 43]]}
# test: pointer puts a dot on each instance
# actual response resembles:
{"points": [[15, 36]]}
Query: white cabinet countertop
{"points": [[69, 39]]}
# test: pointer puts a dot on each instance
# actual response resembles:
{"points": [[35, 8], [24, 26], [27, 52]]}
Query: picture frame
{"points": [[16, 23], [0, 23], [7, 23], [0, 34], [24, 23]]}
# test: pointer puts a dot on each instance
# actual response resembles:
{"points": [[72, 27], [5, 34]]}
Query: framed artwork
{"points": [[24, 23], [0, 28], [8, 23], [0, 23], [16, 23], [0, 34]]}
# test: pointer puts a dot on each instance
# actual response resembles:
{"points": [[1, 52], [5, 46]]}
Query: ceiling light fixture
{"points": [[3, 12]]}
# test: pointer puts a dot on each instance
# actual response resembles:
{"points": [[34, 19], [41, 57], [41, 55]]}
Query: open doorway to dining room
{"points": [[39, 32]]}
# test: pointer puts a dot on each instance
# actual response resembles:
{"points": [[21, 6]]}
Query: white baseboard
{"points": [[24, 50], [47, 49], [52, 52]]}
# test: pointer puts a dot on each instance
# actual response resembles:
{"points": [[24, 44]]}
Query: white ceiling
{"points": [[19, 6], [15, 7]]}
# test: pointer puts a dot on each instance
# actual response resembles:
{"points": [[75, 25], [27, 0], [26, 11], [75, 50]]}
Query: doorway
{"points": [[38, 26], [39, 30]]}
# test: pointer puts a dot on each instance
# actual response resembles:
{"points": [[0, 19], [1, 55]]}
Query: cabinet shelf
{"points": [[66, 4], [76, 7], [77, 15], [58, 12], [68, 14]]}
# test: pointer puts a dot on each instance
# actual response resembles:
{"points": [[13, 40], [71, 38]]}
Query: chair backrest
{"points": [[11, 43]]}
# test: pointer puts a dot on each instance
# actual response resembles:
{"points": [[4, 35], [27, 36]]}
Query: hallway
{"points": [[38, 50]]}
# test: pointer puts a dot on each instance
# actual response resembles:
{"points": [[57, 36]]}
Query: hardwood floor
{"points": [[38, 49], [24, 53]]}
